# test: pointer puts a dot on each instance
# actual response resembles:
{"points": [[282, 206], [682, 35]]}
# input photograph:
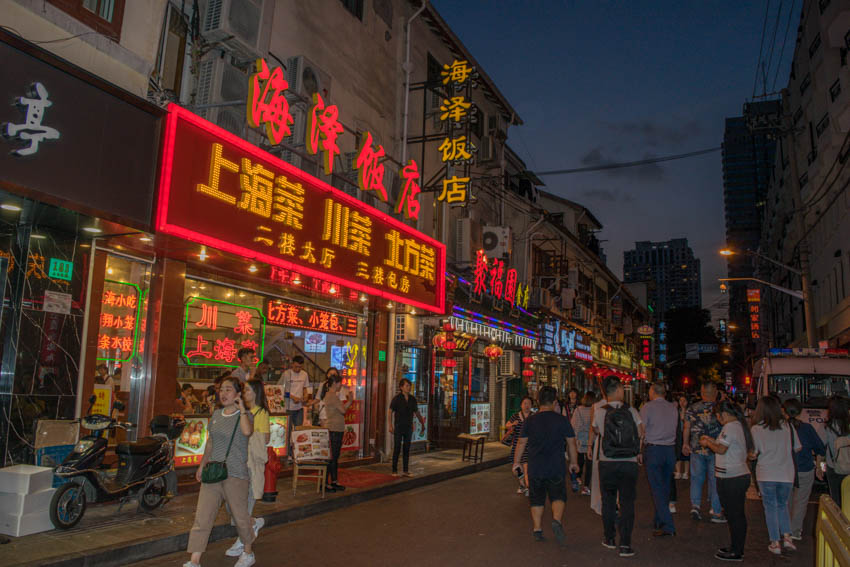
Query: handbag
{"points": [[794, 456], [216, 471]]}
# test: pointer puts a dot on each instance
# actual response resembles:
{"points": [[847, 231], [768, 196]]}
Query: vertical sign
{"points": [[117, 334], [754, 307]]}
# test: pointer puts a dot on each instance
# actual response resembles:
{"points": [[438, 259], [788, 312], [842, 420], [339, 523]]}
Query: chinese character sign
{"points": [[220, 191], [754, 308], [303, 317], [118, 328], [32, 131], [214, 331], [456, 111]]}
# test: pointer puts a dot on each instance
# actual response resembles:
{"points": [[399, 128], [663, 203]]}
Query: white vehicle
{"points": [[811, 375]]}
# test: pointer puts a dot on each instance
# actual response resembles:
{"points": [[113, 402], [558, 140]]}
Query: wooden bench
{"points": [[473, 447]]}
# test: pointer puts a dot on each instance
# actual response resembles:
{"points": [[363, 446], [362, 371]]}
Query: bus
{"points": [[811, 375]]}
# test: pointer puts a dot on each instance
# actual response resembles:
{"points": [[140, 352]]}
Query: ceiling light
{"points": [[390, 305], [332, 289], [363, 298], [85, 245], [253, 268], [241, 294], [413, 311], [110, 271], [203, 254], [92, 229], [296, 281], [38, 236], [203, 286], [146, 238], [228, 294], [10, 207]]}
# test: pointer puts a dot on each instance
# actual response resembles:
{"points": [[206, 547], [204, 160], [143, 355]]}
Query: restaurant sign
{"points": [[303, 317], [218, 190], [214, 331]]}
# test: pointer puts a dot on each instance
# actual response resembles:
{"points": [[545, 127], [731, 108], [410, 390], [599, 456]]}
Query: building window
{"points": [[797, 115], [822, 125], [807, 80], [103, 16], [355, 7], [835, 90], [813, 47], [822, 4]]}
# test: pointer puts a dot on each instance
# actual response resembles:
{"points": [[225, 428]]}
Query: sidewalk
{"points": [[106, 538]]}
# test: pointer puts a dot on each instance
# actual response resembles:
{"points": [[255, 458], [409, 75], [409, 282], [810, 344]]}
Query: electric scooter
{"points": [[145, 469]]}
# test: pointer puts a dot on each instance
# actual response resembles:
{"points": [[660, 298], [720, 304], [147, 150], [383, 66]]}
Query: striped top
{"points": [[519, 421], [221, 428]]}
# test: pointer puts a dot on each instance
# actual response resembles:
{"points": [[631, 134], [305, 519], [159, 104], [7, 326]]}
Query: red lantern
{"points": [[449, 363], [450, 344], [439, 340], [448, 328], [493, 351], [527, 360], [528, 373]]}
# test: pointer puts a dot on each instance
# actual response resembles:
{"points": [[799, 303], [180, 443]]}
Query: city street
{"points": [[480, 520]]}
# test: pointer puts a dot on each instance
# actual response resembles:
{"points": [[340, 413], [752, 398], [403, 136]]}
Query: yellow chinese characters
{"points": [[407, 255], [347, 228]]}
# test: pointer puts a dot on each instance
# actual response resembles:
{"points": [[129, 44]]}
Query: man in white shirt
{"points": [[246, 360], [296, 384]]}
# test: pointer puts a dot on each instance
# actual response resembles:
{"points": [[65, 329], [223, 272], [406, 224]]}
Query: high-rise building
{"points": [[673, 269], [747, 169]]}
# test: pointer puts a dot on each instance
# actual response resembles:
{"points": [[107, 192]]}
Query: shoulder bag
{"points": [[794, 456], [216, 471]]}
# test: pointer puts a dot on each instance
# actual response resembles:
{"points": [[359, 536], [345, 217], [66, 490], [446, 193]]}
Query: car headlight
{"points": [[83, 445]]}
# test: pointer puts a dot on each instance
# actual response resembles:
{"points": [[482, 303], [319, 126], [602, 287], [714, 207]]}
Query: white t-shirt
{"points": [[599, 425], [733, 462], [241, 373], [296, 384], [774, 453]]}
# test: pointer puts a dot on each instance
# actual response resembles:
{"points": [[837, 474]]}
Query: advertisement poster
{"points": [[351, 436], [420, 433], [192, 442], [275, 398], [103, 399], [277, 438], [315, 342], [311, 445], [479, 419]]}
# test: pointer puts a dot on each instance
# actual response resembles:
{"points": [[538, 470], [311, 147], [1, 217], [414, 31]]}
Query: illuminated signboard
{"points": [[214, 331], [754, 304], [61, 269], [302, 317], [118, 328], [491, 328], [491, 277], [645, 347], [218, 190], [457, 114]]}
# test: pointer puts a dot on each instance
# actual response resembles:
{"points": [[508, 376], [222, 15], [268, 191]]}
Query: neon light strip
{"points": [[176, 113], [485, 319], [262, 345]]}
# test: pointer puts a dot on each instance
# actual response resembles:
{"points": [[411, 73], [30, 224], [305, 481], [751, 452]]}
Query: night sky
{"points": [[597, 82]]}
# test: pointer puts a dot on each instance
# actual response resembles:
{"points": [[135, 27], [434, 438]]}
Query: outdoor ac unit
{"points": [[297, 138], [580, 313], [541, 298], [467, 240], [496, 241], [218, 82], [568, 299], [406, 328], [236, 24], [305, 78], [486, 151], [508, 363]]}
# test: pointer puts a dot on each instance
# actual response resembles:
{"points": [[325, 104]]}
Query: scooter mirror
{"points": [[118, 405], [92, 399]]}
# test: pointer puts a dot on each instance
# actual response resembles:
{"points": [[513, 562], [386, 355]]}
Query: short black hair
{"points": [[402, 382], [547, 396], [187, 386], [298, 359], [610, 384], [243, 351], [793, 407]]}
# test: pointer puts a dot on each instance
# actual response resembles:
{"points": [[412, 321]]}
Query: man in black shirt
{"points": [[543, 434], [402, 409]]}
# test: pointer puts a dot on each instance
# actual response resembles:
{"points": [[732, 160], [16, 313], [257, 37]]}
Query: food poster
{"points": [[479, 418], [103, 400], [277, 437], [311, 445], [192, 442], [315, 342], [275, 399], [351, 435], [420, 433]]}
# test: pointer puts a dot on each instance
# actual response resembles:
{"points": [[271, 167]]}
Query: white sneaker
{"points": [[246, 560], [190, 564], [672, 507], [684, 476], [258, 525], [519, 490], [677, 476], [236, 549]]}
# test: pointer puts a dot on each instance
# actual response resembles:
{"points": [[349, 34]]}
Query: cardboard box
{"points": [[24, 504], [52, 432], [25, 479], [17, 526]]}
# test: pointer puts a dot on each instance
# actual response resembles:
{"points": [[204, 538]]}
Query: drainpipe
{"points": [[407, 68]]}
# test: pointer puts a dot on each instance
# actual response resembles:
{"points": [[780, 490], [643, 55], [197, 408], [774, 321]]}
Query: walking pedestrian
{"points": [[323, 414], [226, 477], [812, 447], [837, 445], [595, 490], [581, 425], [335, 416], [514, 426], [701, 420], [660, 419], [620, 431], [774, 445], [731, 448], [573, 402], [544, 434], [683, 462], [403, 408]]}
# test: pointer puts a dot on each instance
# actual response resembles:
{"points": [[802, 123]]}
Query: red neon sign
{"points": [[290, 315], [220, 191]]}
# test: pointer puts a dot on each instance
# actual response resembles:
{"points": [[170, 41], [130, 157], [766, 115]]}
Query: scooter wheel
{"points": [[152, 496], [68, 505]]}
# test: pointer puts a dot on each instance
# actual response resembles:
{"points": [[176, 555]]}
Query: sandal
{"points": [[788, 543]]}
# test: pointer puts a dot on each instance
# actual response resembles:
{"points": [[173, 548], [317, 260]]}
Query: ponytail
{"points": [[730, 407]]}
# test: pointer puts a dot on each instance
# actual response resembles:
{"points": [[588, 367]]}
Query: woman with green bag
{"points": [[223, 474]]}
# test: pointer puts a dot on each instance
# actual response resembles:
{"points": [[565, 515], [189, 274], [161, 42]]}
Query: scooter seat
{"points": [[144, 446]]}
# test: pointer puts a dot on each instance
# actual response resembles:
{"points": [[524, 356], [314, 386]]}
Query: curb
{"points": [[148, 549]]}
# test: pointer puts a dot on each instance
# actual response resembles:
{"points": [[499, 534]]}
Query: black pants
{"points": [[733, 499], [401, 436], [588, 469], [336, 448], [833, 479], [618, 478], [581, 462]]}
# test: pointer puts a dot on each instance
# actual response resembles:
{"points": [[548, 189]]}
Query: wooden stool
{"points": [[321, 474], [473, 447]]}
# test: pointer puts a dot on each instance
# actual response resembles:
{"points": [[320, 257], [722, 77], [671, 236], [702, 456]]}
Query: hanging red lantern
{"points": [[493, 351], [448, 328], [528, 360], [450, 344], [439, 340], [449, 363], [528, 373]]}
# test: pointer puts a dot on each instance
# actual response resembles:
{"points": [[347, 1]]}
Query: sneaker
{"points": [[717, 518], [558, 530], [236, 549], [525, 491], [787, 543], [395, 473], [585, 491], [246, 560], [329, 488], [695, 515], [519, 490], [626, 551], [609, 543], [258, 525], [407, 474], [726, 555], [538, 535], [684, 476], [338, 487], [797, 536], [672, 507], [775, 548], [190, 564], [677, 476]]}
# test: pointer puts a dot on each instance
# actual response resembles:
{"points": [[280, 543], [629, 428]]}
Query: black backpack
{"points": [[620, 439]]}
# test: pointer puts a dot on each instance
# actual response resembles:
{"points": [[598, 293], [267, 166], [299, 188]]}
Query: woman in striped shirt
{"points": [[514, 427]]}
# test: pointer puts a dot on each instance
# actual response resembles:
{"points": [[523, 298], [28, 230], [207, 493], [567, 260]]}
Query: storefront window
{"points": [[412, 366]]}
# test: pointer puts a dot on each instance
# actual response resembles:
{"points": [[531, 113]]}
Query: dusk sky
{"points": [[599, 81]]}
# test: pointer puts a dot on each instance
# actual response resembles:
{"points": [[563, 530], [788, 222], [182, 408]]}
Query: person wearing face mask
{"points": [[229, 430], [323, 414], [335, 417]]}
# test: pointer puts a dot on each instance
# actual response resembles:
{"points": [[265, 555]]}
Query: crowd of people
{"points": [[719, 445]]}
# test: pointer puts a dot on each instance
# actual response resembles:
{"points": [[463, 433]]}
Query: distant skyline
{"points": [[601, 82]]}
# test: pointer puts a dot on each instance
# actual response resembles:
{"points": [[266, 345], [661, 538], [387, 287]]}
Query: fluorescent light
{"points": [[10, 207], [92, 229], [252, 268], [38, 236], [146, 239]]}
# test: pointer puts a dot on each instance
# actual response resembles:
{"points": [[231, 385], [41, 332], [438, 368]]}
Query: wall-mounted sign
{"points": [[496, 331], [457, 114], [118, 329], [754, 308], [214, 331], [645, 350], [493, 278], [645, 330], [219, 190], [31, 131], [303, 317], [61, 269]]}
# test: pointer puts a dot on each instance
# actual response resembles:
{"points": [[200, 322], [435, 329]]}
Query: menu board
{"points": [[275, 399], [311, 445], [351, 436], [479, 418], [420, 433], [277, 437], [192, 442], [103, 400]]}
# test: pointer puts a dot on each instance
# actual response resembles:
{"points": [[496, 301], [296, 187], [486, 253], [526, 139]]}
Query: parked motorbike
{"points": [[145, 469]]}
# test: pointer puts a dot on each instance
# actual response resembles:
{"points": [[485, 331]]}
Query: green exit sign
{"points": [[60, 269], [382, 355]]}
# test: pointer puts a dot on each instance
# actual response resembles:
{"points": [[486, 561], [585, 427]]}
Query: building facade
{"points": [[672, 267]]}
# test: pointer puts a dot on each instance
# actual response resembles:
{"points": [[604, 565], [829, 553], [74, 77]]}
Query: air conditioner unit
{"points": [[486, 151], [236, 24], [305, 78], [496, 241], [541, 298], [297, 138], [568, 299], [508, 363], [580, 313], [467, 240], [220, 81], [406, 328]]}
